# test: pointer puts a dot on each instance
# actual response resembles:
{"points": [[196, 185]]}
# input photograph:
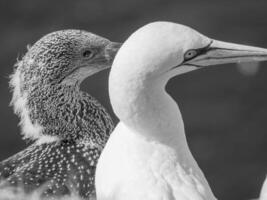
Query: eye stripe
{"points": [[197, 52]]}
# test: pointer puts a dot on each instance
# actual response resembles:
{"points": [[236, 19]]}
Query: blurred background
{"points": [[224, 107]]}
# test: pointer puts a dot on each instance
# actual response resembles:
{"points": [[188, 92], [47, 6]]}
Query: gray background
{"points": [[225, 111]]}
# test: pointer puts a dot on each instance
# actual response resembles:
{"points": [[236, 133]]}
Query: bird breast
{"points": [[151, 170]]}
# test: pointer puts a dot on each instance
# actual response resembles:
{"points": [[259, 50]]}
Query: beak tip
{"points": [[113, 46], [111, 49]]}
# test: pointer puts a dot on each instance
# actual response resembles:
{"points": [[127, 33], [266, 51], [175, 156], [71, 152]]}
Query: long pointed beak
{"points": [[219, 52]]}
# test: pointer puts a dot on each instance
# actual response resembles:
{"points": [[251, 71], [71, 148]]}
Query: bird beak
{"points": [[111, 51], [218, 52]]}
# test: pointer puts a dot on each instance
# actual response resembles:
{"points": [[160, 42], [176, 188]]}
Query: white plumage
{"points": [[147, 156]]}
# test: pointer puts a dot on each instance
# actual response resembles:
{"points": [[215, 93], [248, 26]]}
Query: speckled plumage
{"points": [[68, 127], [59, 168]]}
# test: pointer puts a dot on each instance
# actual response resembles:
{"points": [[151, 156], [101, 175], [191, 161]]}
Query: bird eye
{"points": [[87, 54], [190, 54]]}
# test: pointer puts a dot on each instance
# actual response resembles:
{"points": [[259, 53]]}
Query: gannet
{"points": [[68, 127], [147, 156]]}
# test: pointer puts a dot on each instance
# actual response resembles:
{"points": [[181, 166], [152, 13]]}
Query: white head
{"points": [[165, 47], [155, 53]]}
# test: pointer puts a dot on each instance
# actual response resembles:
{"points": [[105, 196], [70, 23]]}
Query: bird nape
{"points": [[68, 127], [147, 155]]}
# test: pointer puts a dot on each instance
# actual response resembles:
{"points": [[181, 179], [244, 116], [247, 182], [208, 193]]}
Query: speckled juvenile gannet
{"points": [[147, 156], [69, 127]]}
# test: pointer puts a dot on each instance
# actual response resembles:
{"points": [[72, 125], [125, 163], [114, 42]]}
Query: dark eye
{"points": [[190, 54], [87, 53]]}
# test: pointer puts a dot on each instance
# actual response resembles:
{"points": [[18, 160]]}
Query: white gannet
{"points": [[147, 156], [68, 126]]}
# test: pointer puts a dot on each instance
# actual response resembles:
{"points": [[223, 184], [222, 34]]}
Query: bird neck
{"points": [[148, 112], [143, 105], [64, 112]]}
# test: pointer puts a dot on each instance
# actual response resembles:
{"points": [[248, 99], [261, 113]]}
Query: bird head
{"points": [[62, 59], [66, 57], [169, 48]]}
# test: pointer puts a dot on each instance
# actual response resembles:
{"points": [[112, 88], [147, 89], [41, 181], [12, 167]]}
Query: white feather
{"points": [[19, 102]]}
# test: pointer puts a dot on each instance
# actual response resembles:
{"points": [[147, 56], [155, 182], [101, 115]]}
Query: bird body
{"points": [[58, 168], [155, 151], [150, 170], [62, 164], [68, 127], [147, 156]]}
